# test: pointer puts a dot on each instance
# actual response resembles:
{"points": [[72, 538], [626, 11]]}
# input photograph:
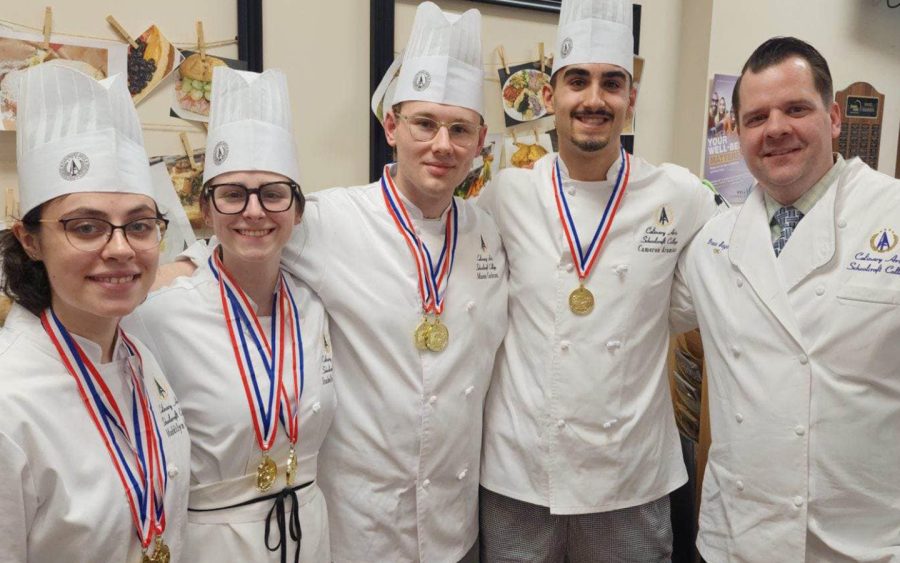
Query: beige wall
{"points": [[324, 48], [860, 39]]}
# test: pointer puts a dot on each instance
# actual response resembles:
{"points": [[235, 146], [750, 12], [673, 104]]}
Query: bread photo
{"points": [[195, 88]]}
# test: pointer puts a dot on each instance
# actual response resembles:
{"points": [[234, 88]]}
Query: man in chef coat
{"points": [[797, 295], [414, 283], [580, 447]]}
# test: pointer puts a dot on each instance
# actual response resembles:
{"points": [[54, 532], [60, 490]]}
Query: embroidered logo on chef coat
{"points": [[566, 47], [485, 269], [421, 80], [160, 390], [220, 152], [660, 236], [663, 219], [74, 166], [327, 362], [884, 240]]}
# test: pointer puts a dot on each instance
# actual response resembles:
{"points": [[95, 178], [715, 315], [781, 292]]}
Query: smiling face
{"points": [[592, 103], [94, 289], [254, 236], [429, 171], [786, 129]]}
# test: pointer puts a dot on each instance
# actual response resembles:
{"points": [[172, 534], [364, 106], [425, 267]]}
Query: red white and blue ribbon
{"points": [[139, 458], [267, 396], [434, 277], [584, 258]]}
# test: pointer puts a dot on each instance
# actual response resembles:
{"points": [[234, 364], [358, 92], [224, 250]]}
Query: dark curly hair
{"points": [[24, 280]]}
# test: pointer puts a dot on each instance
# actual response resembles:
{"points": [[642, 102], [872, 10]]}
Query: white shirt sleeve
{"points": [[18, 497]]}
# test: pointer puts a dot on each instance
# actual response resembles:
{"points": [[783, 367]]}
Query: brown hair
{"points": [[25, 280], [777, 50]]}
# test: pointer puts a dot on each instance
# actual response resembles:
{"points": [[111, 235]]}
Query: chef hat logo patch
{"points": [[421, 80], [566, 48], [74, 166], [220, 152]]}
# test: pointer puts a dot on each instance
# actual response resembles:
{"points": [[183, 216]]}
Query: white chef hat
{"points": [[250, 125], [595, 31], [75, 134], [442, 60]]}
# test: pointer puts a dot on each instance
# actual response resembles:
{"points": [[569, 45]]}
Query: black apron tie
{"points": [[285, 528], [293, 524]]}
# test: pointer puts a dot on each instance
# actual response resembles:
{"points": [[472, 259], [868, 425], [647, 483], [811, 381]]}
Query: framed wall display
{"points": [[381, 48], [862, 110]]}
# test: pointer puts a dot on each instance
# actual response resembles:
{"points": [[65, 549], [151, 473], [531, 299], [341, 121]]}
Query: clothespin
{"points": [[121, 31], [186, 143], [48, 25], [503, 58], [541, 55], [201, 43]]}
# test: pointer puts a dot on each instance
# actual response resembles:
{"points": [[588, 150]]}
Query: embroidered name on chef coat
{"points": [[660, 235], [878, 256], [327, 363], [485, 269]]}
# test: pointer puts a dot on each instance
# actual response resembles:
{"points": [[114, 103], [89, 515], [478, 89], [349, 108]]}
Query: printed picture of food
{"points": [[20, 51], [480, 174], [521, 93], [188, 182], [148, 64], [193, 89]]}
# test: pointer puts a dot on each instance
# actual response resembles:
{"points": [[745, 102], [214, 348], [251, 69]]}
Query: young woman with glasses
{"points": [[94, 456], [247, 345]]}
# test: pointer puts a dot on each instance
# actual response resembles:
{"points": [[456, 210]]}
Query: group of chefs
{"points": [[386, 373]]}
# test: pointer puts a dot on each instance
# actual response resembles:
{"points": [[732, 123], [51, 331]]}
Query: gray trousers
{"points": [[513, 530]]}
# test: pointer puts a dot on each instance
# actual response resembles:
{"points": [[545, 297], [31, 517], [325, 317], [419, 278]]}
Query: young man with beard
{"points": [[796, 296], [414, 283], [580, 444]]}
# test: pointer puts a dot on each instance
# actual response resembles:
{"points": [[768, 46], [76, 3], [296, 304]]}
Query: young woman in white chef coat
{"points": [[93, 451], [246, 345]]}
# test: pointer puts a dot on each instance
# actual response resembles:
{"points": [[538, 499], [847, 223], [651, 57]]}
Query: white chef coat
{"points": [[61, 497], [579, 416], [184, 325], [804, 377], [400, 465]]}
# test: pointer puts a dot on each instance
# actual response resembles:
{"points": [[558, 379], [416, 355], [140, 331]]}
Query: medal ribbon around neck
{"points": [[265, 411], [142, 473], [584, 258], [431, 275]]}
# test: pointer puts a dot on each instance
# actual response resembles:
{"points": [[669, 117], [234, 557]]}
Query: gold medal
{"points": [[581, 301], [291, 468], [438, 336], [421, 334], [265, 473], [160, 553]]}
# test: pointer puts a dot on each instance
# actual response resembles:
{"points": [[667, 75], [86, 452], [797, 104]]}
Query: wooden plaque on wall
{"points": [[862, 109]]}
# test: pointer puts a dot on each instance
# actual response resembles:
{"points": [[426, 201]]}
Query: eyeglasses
{"points": [[232, 199], [421, 128], [90, 234]]}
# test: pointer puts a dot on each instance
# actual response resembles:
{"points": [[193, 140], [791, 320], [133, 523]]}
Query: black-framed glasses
{"points": [[232, 199], [422, 128], [91, 234]]}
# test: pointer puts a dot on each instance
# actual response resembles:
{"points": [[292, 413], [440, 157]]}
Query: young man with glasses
{"points": [[414, 282], [580, 444]]}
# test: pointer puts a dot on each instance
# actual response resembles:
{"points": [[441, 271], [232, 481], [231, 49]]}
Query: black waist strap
{"points": [[292, 526]]}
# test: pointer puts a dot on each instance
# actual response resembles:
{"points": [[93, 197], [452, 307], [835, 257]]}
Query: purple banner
{"points": [[725, 166]]}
